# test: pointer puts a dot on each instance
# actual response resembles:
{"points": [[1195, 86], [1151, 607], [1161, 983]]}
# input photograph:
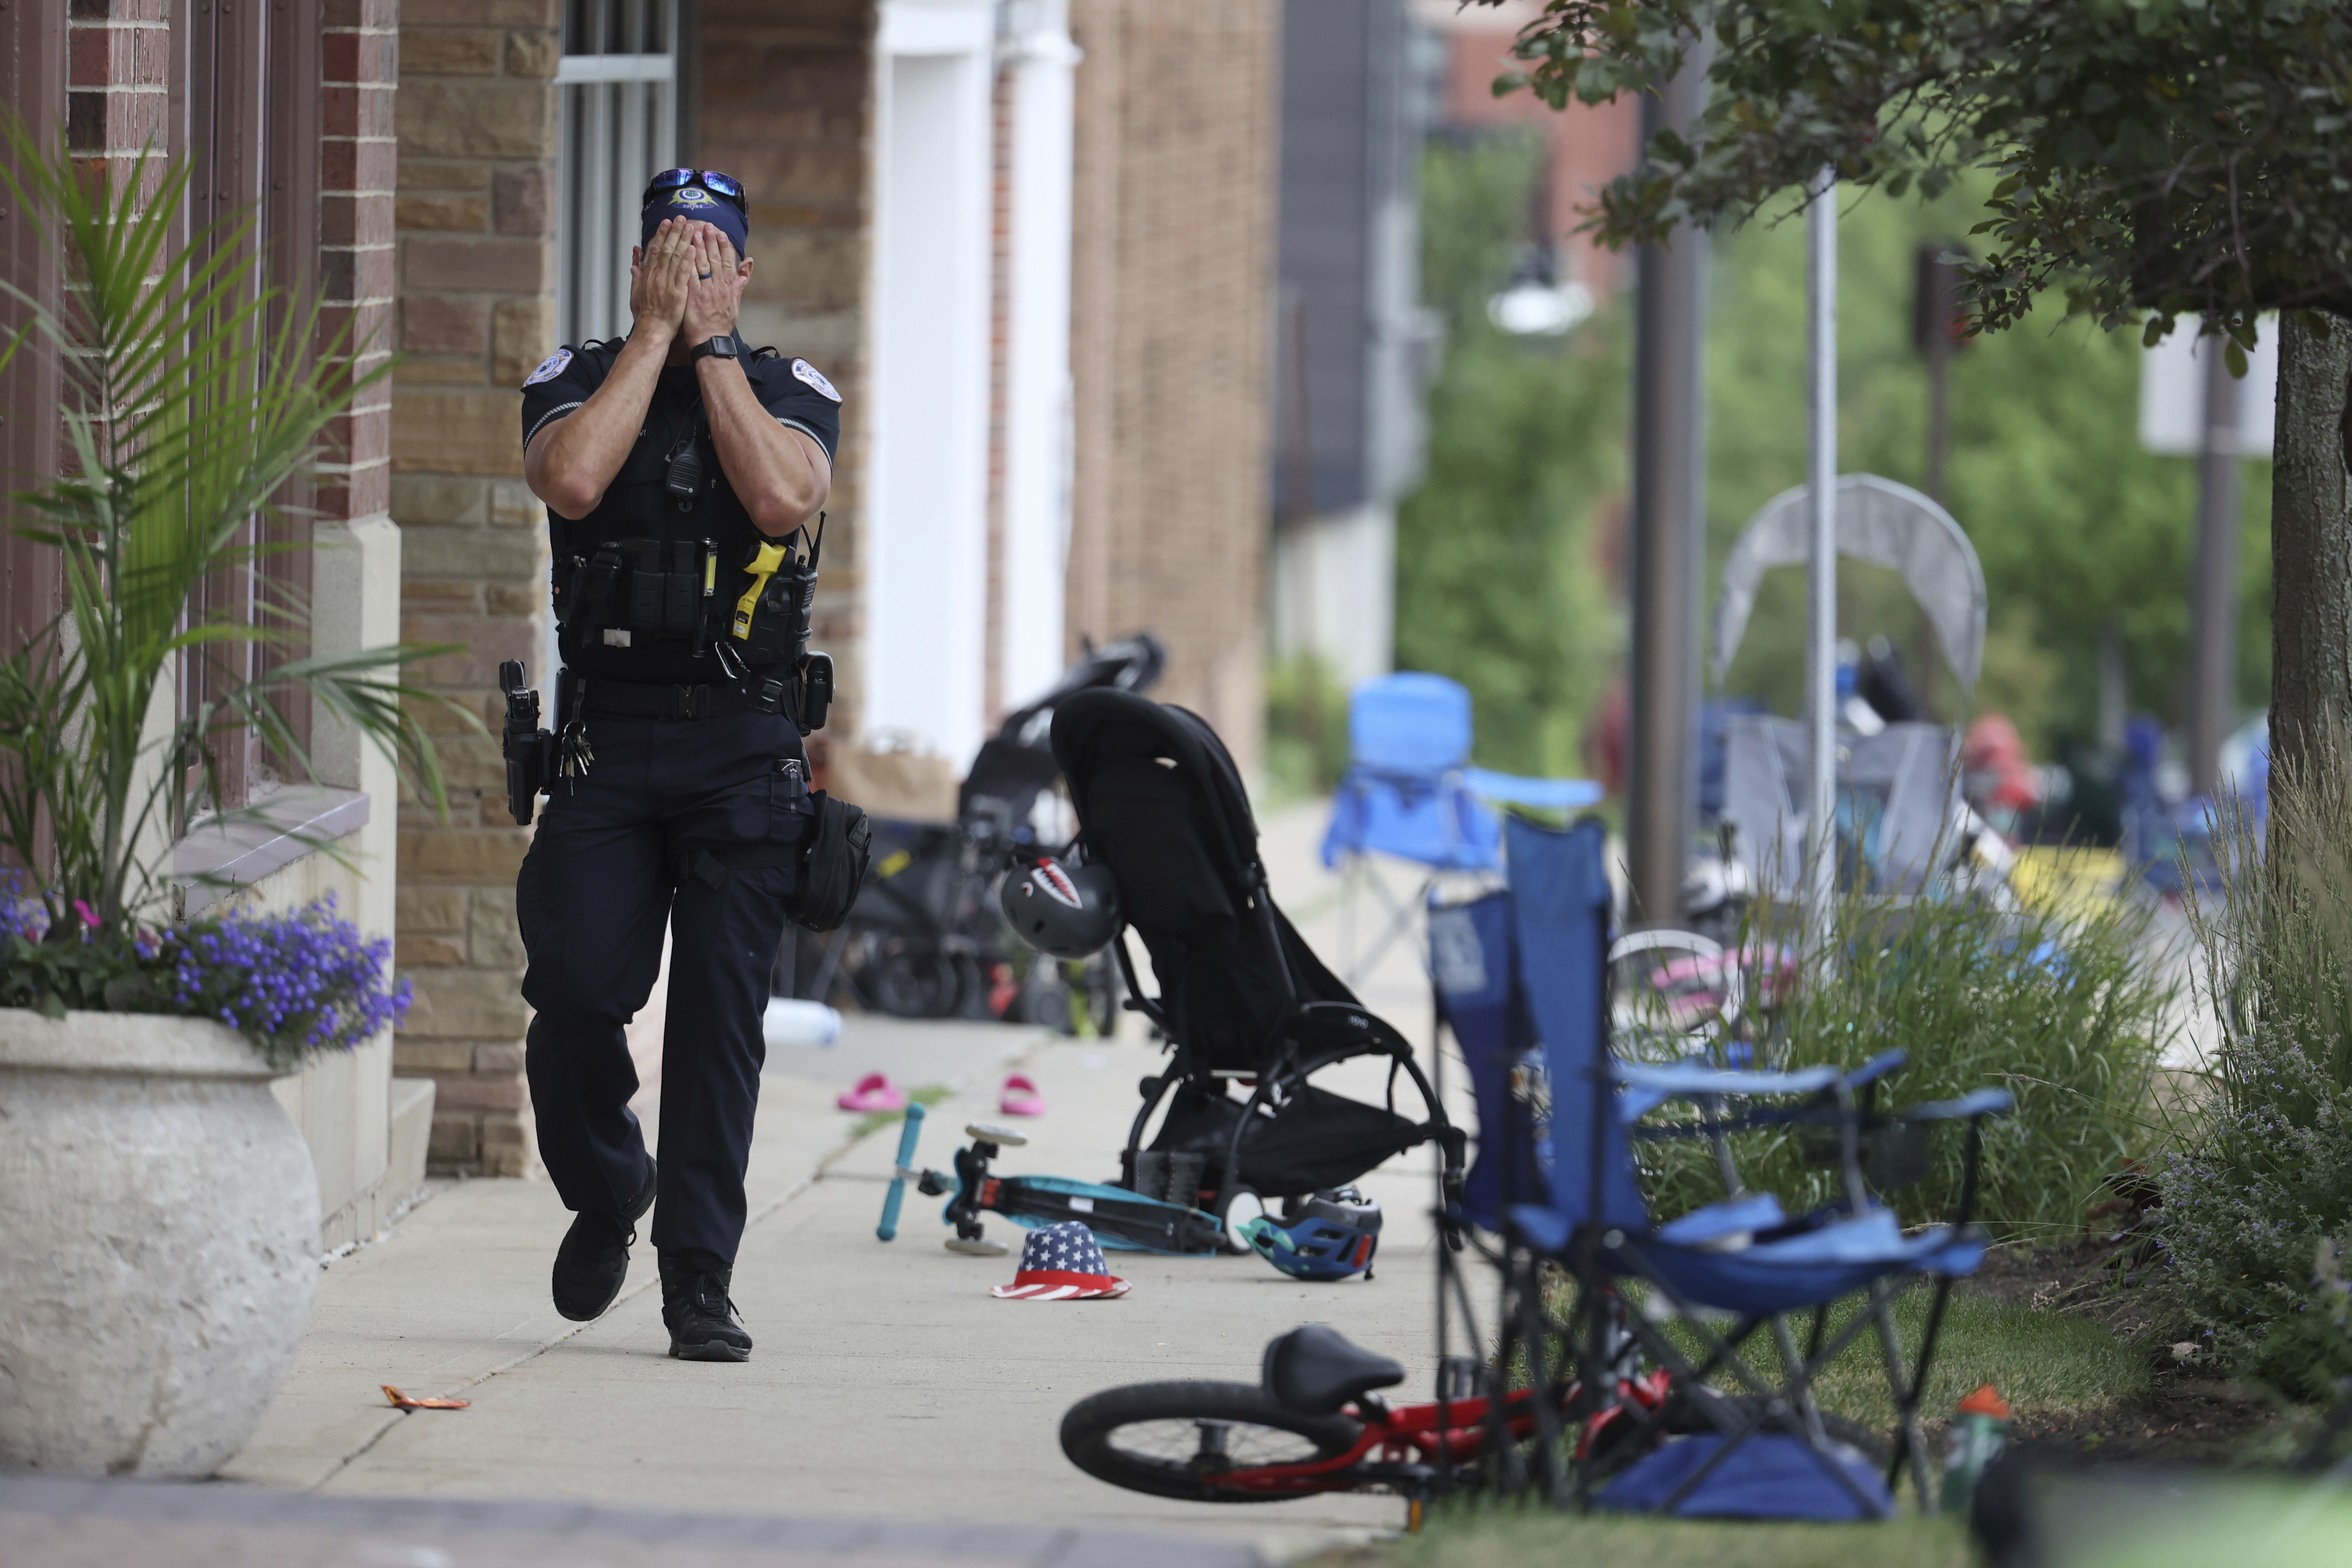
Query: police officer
{"points": [[666, 459]]}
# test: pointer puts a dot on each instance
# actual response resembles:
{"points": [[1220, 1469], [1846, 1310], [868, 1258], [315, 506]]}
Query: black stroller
{"points": [[1242, 997]]}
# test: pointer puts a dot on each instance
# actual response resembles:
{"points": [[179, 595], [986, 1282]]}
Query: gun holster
{"points": [[529, 748]]}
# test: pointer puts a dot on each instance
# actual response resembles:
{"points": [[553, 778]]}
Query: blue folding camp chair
{"points": [[1556, 1179], [1411, 792]]}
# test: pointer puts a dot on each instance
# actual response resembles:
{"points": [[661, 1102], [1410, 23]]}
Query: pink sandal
{"points": [[1020, 1097], [873, 1093]]}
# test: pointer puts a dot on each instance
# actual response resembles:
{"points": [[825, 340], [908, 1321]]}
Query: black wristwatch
{"points": [[717, 348]]}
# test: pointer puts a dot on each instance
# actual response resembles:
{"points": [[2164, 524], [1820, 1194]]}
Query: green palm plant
{"points": [[188, 405]]}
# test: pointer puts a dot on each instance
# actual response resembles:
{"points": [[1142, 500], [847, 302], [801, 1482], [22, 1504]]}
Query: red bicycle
{"points": [[1313, 1424]]}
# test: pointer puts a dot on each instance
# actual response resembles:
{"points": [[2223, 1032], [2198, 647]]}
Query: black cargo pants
{"points": [[647, 838]]}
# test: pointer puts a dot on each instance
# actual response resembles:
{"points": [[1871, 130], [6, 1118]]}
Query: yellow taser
{"points": [[764, 564]]}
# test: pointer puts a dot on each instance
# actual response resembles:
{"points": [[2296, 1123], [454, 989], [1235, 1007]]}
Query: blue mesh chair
{"points": [[1740, 1438], [1411, 792]]}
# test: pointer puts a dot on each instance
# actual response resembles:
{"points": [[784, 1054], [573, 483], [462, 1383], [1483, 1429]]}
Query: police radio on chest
{"points": [[683, 479]]}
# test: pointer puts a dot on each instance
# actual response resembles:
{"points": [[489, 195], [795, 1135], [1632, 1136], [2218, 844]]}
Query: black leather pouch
{"points": [[840, 844]]}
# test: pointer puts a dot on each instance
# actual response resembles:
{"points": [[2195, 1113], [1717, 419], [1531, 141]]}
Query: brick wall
{"points": [[473, 219], [1171, 287], [118, 79], [785, 103], [359, 72]]}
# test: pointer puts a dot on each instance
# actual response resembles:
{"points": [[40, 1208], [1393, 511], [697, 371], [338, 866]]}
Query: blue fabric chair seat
{"points": [[1432, 821], [1410, 790], [1783, 1274], [1543, 794], [1719, 1222]]}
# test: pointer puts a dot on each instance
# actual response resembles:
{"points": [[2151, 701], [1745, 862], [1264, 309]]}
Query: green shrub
{"points": [[1305, 727], [2264, 1172], [2061, 1007]]}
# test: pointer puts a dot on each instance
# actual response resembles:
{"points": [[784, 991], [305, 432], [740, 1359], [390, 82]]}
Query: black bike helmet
{"points": [[1063, 912]]}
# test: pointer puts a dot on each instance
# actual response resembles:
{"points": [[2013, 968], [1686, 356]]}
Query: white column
{"points": [[1821, 575], [1037, 414], [927, 481]]}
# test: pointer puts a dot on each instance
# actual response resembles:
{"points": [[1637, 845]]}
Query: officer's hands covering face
{"points": [[660, 273], [714, 287]]}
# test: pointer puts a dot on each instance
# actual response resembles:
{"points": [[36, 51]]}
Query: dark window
{"points": [[33, 82], [245, 109]]}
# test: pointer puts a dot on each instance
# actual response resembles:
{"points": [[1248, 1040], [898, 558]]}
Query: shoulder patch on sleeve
{"points": [[814, 377], [548, 368]]}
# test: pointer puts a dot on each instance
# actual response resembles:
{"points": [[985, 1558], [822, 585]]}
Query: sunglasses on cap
{"points": [[711, 180]]}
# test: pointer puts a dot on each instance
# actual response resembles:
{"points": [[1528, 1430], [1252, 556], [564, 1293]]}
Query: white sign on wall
{"points": [[2172, 392]]}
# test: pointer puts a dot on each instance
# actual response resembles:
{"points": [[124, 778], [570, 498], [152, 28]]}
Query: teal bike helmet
{"points": [[1332, 1235]]}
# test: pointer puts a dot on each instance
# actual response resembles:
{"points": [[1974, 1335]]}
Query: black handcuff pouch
{"points": [[840, 845]]}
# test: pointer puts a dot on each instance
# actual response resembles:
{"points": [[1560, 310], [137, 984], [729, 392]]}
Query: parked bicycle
{"points": [[1313, 1423]]}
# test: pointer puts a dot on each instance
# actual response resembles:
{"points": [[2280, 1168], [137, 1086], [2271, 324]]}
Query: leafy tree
{"points": [[1495, 580], [2155, 158]]}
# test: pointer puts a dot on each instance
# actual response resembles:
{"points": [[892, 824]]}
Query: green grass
{"points": [[1472, 1536], [2046, 1365], [875, 1121], [2043, 1364]]}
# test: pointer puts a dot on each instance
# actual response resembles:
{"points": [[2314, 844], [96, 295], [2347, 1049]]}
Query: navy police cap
{"points": [[695, 203]]}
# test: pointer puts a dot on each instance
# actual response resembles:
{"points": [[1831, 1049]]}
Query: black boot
{"points": [[593, 1262], [701, 1320]]}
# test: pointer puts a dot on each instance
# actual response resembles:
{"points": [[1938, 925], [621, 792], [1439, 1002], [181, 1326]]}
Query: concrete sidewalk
{"points": [[57, 1523], [888, 1384]]}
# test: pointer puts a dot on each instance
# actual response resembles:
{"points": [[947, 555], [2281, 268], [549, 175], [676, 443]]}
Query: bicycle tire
{"points": [[1092, 1428], [916, 985]]}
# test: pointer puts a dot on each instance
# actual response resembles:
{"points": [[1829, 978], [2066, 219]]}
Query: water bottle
{"points": [[1980, 1432]]}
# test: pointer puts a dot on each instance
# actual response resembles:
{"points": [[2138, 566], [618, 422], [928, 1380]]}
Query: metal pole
{"points": [[1821, 575], [1936, 282], [1668, 539], [1939, 415], [2213, 606]]}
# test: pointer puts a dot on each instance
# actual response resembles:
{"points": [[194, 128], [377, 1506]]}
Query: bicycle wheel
{"points": [[916, 984], [1045, 1000], [1178, 1439]]}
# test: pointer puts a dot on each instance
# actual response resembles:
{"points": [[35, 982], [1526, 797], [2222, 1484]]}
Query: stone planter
{"points": [[159, 1223]]}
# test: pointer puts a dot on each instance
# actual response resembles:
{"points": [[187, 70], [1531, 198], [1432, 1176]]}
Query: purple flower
{"points": [[308, 980]]}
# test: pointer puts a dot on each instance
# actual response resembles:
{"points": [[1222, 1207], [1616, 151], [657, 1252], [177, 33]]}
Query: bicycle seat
{"points": [[1315, 1370]]}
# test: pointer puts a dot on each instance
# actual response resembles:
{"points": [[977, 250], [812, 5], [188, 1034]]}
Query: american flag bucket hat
{"points": [[1062, 1263]]}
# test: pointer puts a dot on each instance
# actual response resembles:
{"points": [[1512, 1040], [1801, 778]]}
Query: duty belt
{"points": [[637, 700]]}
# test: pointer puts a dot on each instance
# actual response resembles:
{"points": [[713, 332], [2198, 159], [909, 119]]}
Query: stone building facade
{"points": [[1114, 399], [1170, 345], [283, 114], [1129, 445], [781, 96], [474, 225]]}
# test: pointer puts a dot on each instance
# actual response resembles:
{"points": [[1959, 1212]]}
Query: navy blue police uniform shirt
{"points": [[636, 506]]}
